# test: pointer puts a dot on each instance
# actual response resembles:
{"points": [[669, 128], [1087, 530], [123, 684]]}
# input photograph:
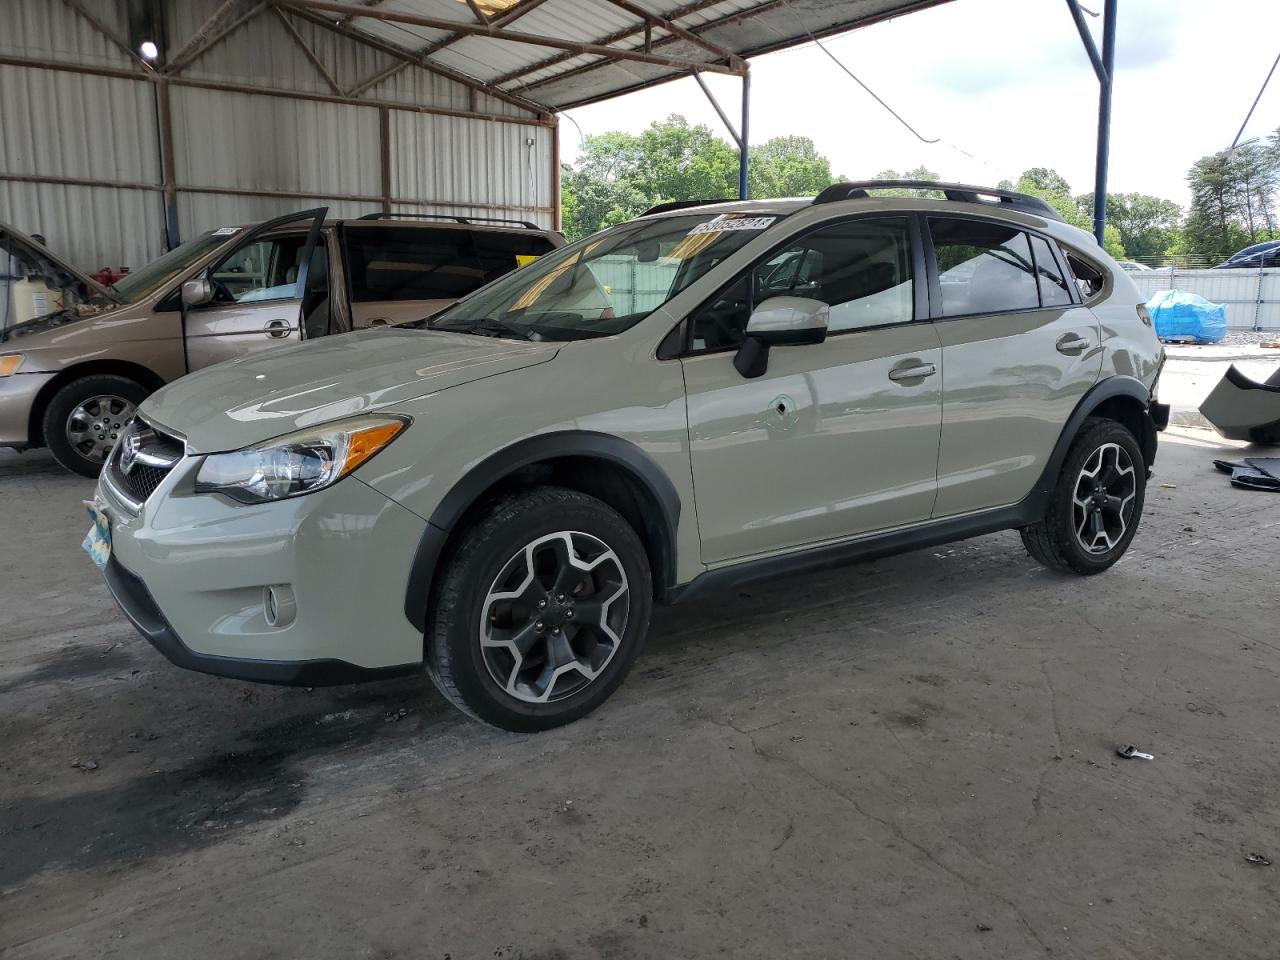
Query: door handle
{"points": [[1072, 343], [277, 329], [912, 370]]}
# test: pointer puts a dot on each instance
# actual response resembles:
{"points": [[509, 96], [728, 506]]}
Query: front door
{"points": [[261, 292], [837, 438], [1019, 352]]}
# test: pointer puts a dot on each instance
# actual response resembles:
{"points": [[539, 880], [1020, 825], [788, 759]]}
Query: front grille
{"points": [[142, 458]]}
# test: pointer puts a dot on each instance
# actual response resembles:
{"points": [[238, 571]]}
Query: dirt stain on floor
{"points": [[194, 805]]}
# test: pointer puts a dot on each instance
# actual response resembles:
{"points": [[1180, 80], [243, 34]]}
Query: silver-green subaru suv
{"points": [[709, 394]]}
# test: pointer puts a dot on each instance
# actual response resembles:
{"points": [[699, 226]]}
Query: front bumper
{"points": [[136, 602], [17, 394], [191, 573]]}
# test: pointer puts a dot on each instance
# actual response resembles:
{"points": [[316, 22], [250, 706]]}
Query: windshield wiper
{"points": [[486, 327]]}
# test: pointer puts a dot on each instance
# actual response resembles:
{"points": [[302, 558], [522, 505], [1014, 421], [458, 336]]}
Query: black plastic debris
{"points": [[1254, 473], [1259, 859], [1243, 409], [1130, 752]]}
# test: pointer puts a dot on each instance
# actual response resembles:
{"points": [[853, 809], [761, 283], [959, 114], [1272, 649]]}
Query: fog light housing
{"points": [[279, 606]]}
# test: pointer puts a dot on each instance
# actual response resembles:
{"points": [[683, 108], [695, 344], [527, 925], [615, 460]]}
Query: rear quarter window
{"points": [[501, 252], [1088, 277], [411, 263]]}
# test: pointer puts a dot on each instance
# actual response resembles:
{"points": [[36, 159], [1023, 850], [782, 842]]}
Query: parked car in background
{"points": [[72, 378], [698, 398], [1253, 257], [35, 281], [1132, 265]]}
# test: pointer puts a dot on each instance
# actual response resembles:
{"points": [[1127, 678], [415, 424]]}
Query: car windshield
{"points": [[139, 283], [606, 283]]}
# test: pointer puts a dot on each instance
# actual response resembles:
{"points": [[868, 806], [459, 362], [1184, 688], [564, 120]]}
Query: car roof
{"points": [[1256, 248], [892, 204]]}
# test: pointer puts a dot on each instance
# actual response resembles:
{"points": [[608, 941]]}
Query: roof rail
{"points": [[383, 215], [682, 204], [963, 193]]}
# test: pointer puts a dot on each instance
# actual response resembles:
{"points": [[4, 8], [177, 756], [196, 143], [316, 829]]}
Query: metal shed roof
{"points": [[558, 54]]}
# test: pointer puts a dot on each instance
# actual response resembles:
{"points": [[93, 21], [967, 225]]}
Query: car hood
{"points": [[252, 399]]}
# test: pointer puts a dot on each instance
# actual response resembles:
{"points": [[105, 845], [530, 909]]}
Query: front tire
{"points": [[84, 418], [541, 610], [1096, 504]]}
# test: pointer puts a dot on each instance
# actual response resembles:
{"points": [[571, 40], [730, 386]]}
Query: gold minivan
{"points": [[71, 378]]}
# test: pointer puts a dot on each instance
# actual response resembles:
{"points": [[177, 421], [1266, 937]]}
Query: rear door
{"points": [[397, 273], [260, 291], [1019, 351]]}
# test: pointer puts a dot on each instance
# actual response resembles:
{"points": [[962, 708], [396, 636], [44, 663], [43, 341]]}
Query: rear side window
{"points": [[501, 252], [983, 267], [411, 263], [1054, 291]]}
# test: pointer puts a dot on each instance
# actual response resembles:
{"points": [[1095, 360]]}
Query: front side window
{"points": [[140, 283], [860, 268], [606, 283], [1054, 291], [983, 267], [266, 269], [410, 263]]}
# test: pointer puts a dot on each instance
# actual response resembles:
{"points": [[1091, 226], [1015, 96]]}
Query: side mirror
{"points": [[780, 321], [197, 292]]}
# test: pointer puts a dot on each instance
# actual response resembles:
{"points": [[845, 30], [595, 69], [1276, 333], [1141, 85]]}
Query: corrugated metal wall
{"points": [[1252, 297], [240, 156]]}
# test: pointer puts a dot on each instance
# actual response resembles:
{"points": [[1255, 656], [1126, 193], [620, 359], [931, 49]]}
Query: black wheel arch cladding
{"points": [[579, 446]]}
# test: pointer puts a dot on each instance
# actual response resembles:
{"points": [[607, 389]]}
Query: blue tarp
{"points": [[1179, 315]]}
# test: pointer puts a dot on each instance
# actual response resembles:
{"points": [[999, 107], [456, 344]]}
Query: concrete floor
{"points": [[914, 758]]}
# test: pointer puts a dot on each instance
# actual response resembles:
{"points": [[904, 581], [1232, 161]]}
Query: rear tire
{"points": [[541, 610], [1096, 504], [84, 418]]}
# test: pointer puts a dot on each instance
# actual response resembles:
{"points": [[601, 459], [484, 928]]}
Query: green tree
{"points": [[1051, 187], [1233, 199], [787, 167], [918, 173], [1149, 227], [1043, 180], [620, 175]]}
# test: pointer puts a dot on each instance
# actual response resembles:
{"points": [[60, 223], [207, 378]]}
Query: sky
{"points": [[1003, 85]]}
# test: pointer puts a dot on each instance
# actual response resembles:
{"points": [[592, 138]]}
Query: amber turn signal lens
{"points": [[9, 365], [365, 443]]}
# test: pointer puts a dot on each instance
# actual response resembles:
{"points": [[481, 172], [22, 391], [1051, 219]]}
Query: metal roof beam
{"points": [[216, 29], [309, 53], [110, 34], [615, 37], [497, 33], [1086, 38], [515, 13], [413, 58], [675, 29], [543, 120]]}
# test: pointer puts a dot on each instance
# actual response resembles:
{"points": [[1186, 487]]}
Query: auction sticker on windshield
{"points": [[731, 222]]}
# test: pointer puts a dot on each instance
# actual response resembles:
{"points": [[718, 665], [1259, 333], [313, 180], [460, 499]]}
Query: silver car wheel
{"points": [[554, 617], [1102, 503], [94, 425]]}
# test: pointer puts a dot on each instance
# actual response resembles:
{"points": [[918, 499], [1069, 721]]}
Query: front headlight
{"points": [[297, 463], [10, 363]]}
